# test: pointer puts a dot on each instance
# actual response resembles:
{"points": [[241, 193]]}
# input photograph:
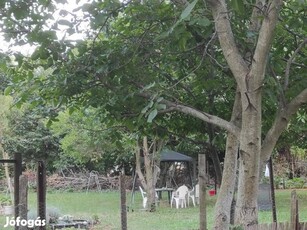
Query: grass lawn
{"points": [[106, 207]]}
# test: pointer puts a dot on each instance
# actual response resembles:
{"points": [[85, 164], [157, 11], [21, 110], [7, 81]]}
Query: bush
{"points": [[296, 182]]}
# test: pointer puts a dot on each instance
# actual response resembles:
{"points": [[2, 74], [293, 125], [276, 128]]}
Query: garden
{"points": [[102, 209], [99, 89]]}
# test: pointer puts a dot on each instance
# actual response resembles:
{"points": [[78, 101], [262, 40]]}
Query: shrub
{"points": [[296, 182]]}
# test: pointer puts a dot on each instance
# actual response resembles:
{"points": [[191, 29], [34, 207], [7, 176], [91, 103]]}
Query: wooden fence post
{"points": [[18, 172], [123, 201], [23, 202], [294, 211], [202, 180], [41, 192]]}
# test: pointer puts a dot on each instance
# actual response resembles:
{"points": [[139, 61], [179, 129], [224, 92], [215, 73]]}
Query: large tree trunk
{"points": [[249, 79], [250, 148]]}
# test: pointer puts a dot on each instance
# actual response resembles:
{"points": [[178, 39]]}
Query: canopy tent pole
{"points": [[194, 172], [133, 190], [190, 174]]}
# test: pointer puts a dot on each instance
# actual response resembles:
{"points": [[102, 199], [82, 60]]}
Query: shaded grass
{"points": [[106, 207], [283, 206]]}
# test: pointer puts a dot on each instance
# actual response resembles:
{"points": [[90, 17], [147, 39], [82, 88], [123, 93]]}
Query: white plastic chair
{"points": [[180, 197], [194, 195], [144, 196]]}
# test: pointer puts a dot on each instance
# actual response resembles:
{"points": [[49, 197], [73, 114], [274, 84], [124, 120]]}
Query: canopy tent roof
{"points": [[169, 155]]}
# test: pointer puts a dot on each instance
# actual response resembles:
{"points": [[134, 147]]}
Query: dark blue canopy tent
{"points": [[169, 156], [172, 156]]}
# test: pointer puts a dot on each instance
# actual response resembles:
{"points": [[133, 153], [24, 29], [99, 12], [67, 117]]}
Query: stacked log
{"points": [[76, 182], [81, 182]]}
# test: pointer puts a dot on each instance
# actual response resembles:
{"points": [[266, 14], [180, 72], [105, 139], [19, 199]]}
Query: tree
{"points": [[86, 142], [149, 152], [250, 78], [4, 108], [26, 133], [156, 60]]}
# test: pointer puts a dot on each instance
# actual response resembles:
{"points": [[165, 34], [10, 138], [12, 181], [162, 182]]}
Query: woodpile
{"points": [[76, 182], [81, 182]]}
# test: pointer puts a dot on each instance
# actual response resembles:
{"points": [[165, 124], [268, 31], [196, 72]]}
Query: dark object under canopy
{"points": [[169, 155]]}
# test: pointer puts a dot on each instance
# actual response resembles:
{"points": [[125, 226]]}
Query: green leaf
{"points": [[8, 90], [145, 109], [238, 6], [64, 22], [63, 13], [204, 22], [160, 106], [152, 115], [187, 11], [147, 87], [160, 99], [49, 123], [21, 11]]}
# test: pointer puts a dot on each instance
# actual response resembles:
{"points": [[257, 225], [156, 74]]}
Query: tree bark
{"points": [[214, 156], [249, 81], [149, 170], [226, 193], [149, 178]]}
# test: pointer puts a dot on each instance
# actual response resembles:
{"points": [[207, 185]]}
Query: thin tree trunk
{"points": [[226, 193], [138, 167], [7, 174], [214, 156], [149, 178], [148, 162]]}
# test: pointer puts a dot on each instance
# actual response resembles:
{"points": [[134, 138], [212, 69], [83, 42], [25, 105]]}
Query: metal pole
{"points": [[133, 190], [272, 190], [41, 192], [18, 172], [202, 180]]}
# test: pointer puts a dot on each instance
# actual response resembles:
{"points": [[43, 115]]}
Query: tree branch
{"points": [[172, 106], [255, 21], [226, 38], [138, 166], [291, 60], [280, 124], [203, 116], [265, 38]]}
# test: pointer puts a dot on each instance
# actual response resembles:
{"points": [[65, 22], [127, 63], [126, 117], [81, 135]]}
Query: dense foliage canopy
{"points": [[203, 70]]}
